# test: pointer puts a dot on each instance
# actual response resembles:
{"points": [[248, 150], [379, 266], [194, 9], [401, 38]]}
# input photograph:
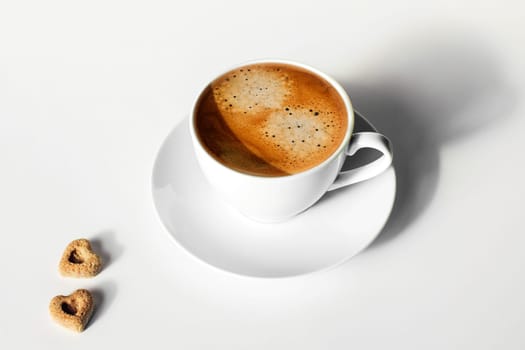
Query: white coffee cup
{"points": [[274, 199]]}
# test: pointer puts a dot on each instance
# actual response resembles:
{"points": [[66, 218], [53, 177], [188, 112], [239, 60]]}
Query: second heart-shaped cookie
{"points": [[79, 260], [72, 311]]}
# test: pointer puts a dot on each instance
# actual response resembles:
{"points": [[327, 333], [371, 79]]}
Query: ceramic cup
{"points": [[275, 199]]}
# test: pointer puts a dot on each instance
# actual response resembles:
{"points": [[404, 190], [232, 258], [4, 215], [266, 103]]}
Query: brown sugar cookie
{"points": [[72, 311], [79, 260]]}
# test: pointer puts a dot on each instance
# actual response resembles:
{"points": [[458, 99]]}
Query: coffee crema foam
{"points": [[271, 119]]}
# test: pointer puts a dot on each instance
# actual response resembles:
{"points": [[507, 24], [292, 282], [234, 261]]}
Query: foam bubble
{"points": [[300, 135], [251, 91]]}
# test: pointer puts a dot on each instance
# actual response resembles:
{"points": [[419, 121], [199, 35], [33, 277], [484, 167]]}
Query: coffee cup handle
{"points": [[365, 140]]}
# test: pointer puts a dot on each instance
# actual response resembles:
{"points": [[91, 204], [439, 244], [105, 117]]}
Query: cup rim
{"points": [[342, 93]]}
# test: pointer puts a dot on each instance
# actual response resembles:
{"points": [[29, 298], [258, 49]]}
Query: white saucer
{"points": [[340, 225]]}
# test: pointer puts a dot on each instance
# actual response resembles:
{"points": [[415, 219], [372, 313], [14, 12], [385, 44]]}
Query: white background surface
{"points": [[89, 90]]}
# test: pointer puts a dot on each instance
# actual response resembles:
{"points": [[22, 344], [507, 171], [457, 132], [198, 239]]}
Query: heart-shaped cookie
{"points": [[72, 311], [79, 260]]}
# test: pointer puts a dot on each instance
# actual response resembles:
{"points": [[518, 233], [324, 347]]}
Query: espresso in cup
{"points": [[270, 119]]}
